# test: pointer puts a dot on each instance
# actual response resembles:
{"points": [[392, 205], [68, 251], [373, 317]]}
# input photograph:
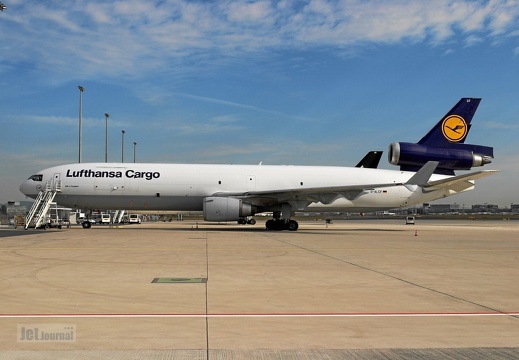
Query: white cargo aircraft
{"points": [[237, 192]]}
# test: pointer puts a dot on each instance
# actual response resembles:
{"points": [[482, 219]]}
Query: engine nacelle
{"points": [[225, 209], [455, 157]]}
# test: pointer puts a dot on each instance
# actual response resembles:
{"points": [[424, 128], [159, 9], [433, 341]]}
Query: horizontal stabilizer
{"points": [[422, 176], [453, 181]]}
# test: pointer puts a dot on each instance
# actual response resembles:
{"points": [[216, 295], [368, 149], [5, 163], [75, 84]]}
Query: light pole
{"points": [[81, 89], [134, 146], [122, 145], [107, 115]]}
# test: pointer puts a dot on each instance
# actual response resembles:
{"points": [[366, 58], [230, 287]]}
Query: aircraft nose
{"points": [[23, 188], [27, 189]]}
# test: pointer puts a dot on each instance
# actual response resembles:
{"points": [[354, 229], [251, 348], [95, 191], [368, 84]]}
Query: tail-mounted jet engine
{"points": [[412, 157]]}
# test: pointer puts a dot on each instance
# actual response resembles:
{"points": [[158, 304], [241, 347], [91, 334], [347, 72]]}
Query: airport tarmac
{"points": [[351, 289]]}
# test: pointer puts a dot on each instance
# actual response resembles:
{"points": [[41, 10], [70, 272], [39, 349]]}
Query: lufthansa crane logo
{"points": [[454, 128]]}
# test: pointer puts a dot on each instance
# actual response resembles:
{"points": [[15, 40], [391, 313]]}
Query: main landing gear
{"points": [[282, 224], [281, 219]]}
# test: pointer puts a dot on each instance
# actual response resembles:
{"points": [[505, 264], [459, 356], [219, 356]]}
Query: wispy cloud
{"points": [[241, 106], [67, 121], [131, 38], [188, 128], [267, 151], [498, 125], [448, 52]]}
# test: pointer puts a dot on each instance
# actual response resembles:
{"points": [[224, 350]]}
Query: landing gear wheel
{"points": [[86, 225], [281, 224], [251, 222], [292, 225]]}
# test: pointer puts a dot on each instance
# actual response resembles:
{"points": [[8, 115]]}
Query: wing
{"points": [[300, 198]]}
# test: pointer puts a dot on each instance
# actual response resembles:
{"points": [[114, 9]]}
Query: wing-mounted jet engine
{"points": [[444, 143]]}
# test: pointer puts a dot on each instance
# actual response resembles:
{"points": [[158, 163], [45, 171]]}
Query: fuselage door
{"points": [[56, 181]]}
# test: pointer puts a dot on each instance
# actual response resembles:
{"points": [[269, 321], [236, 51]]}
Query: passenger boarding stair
{"points": [[118, 217], [42, 203]]}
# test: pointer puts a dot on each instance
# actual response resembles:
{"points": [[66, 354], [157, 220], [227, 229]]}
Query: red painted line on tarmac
{"points": [[261, 315]]}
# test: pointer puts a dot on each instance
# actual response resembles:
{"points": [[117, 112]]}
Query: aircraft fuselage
{"points": [[183, 187]]}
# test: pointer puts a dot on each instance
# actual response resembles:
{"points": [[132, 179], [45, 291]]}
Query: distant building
{"points": [[443, 208], [13, 208], [515, 208], [488, 208]]}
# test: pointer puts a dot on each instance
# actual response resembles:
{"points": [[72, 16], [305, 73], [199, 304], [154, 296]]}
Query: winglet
{"points": [[422, 176]]}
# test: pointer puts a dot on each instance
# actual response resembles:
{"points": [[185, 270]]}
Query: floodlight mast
{"points": [[107, 115], [122, 145], [81, 89]]}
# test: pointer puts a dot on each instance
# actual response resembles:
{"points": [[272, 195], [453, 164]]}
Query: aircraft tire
{"points": [[86, 225], [276, 225], [292, 225], [280, 225]]}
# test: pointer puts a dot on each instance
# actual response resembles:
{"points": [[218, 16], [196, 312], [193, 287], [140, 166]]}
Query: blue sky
{"points": [[282, 82]]}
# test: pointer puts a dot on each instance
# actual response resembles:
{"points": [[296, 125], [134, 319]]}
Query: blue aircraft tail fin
{"points": [[454, 126]]}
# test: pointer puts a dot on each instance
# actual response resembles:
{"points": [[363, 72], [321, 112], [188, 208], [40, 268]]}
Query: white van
{"points": [[134, 219], [105, 219], [409, 220]]}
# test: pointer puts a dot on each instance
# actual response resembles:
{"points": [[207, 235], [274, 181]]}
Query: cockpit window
{"points": [[38, 177]]}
